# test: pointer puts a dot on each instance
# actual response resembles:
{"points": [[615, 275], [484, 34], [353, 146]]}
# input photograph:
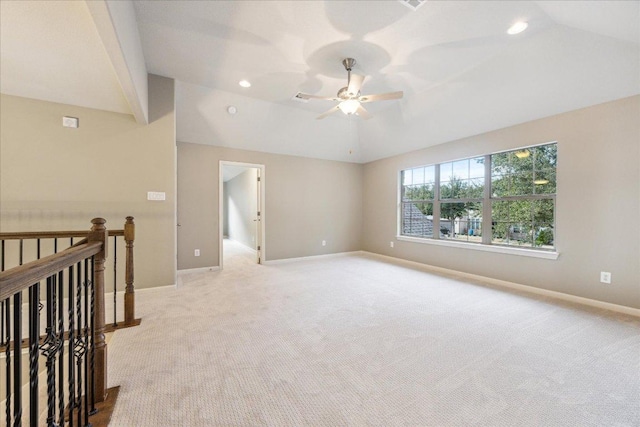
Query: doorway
{"points": [[241, 204]]}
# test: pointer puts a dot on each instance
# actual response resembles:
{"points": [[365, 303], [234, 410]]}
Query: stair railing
{"points": [[81, 374], [32, 245]]}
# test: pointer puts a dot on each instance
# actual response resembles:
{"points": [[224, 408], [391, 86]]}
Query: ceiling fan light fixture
{"points": [[349, 106], [517, 28], [541, 181], [522, 154]]}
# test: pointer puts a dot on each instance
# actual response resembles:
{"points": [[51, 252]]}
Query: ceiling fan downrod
{"points": [[348, 64]]}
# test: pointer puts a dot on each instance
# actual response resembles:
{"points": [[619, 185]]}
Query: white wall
{"points": [[307, 201], [242, 207], [55, 178], [598, 204]]}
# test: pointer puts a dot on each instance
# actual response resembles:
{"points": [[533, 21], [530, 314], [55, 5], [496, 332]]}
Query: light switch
{"points": [[156, 195]]}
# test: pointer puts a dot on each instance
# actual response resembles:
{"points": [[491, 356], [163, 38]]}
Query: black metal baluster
{"points": [[38, 248], [49, 350], [2, 323], [21, 250], [92, 336], [86, 341], [34, 353], [115, 281], [79, 347], [71, 367], [7, 352], [17, 359], [61, 348]]}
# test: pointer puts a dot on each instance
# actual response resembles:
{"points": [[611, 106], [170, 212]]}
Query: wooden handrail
{"points": [[17, 235], [21, 277], [128, 234]]}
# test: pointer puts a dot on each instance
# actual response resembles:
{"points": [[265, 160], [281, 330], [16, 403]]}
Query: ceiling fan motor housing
{"points": [[348, 63]]}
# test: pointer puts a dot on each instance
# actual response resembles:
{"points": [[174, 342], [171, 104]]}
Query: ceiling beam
{"points": [[118, 29]]}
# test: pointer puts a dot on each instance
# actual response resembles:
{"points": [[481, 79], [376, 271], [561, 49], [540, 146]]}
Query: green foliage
{"points": [[544, 237]]}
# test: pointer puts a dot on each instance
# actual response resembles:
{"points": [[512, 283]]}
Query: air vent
{"points": [[413, 4], [299, 99]]}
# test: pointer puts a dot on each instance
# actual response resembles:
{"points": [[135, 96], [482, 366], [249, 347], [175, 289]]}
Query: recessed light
{"points": [[232, 110], [244, 83], [517, 28]]}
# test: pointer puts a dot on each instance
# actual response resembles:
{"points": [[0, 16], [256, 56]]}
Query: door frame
{"points": [[260, 240]]}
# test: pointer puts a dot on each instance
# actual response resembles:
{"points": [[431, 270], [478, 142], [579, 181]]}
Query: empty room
{"points": [[319, 213]]}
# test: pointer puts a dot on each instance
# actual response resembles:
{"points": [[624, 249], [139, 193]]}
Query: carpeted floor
{"points": [[357, 341]]}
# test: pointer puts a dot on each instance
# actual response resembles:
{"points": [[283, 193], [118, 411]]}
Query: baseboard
{"points": [[517, 286], [197, 270], [312, 257]]}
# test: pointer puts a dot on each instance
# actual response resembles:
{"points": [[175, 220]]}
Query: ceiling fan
{"points": [[349, 96]]}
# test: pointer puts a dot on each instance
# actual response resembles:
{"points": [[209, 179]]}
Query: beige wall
{"points": [[242, 198], [307, 201], [55, 178], [598, 204]]}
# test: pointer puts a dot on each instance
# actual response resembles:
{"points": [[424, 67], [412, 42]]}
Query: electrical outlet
{"points": [[605, 277], [391, 244], [196, 252], [324, 243]]}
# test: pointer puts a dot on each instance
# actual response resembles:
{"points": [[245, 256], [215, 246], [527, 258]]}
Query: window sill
{"points": [[533, 253]]}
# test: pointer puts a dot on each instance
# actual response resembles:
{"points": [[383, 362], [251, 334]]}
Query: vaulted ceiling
{"points": [[461, 73]]}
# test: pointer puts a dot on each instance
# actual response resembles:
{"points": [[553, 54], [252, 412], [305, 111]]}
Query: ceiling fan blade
{"points": [[307, 96], [381, 96], [355, 83], [364, 114], [326, 113]]}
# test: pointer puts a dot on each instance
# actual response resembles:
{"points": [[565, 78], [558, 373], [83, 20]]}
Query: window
{"points": [[418, 186], [523, 187], [502, 199]]}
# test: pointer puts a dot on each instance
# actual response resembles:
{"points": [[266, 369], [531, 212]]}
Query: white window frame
{"points": [[486, 245]]}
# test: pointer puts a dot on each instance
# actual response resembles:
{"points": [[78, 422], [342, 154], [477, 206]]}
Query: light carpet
{"points": [[357, 341]]}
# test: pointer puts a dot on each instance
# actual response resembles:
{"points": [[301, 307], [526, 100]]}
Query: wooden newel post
{"points": [[99, 233], [129, 295]]}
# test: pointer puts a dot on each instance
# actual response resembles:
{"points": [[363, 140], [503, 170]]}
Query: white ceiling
{"points": [[51, 50], [460, 72]]}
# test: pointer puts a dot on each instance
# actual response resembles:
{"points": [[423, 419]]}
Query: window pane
{"points": [[545, 182], [520, 211], [521, 184], [500, 185], [546, 156], [520, 234], [475, 188], [461, 221], [417, 219], [461, 169], [418, 192], [476, 167], [430, 174], [500, 164], [499, 233], [407, 177], [418, 176], [543, 211], [446, 172], [500, 211]]}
